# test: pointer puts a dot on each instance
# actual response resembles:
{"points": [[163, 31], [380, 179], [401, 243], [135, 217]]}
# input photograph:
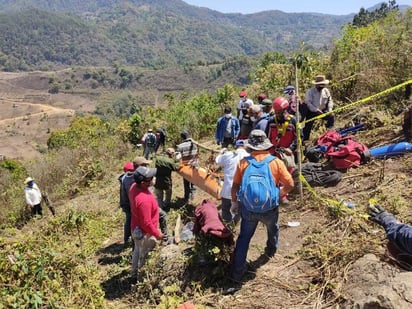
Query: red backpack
{"points": [[343, 151], [348, 154], [330, 139]]}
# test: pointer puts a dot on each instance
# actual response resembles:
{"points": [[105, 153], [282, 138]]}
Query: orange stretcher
{"points": [[202, 179]]}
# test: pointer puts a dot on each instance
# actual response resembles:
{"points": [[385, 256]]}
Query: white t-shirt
{"points": [[33, 195], [243, 105], [228, 161]]}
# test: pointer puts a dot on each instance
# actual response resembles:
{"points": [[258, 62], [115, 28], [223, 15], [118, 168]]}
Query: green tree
{"points": [[364, 17], [370, 59], [135, 132]]}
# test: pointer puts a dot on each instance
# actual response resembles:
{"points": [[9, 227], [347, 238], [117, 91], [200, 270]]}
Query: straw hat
{"points": [[321, 80]]}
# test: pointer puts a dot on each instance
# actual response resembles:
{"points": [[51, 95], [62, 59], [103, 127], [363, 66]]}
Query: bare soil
{"points": [[29, 113], [289, 279]]}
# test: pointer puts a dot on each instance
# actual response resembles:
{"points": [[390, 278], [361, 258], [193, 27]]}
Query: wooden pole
{"points": [[298, 131], [204, 147]]}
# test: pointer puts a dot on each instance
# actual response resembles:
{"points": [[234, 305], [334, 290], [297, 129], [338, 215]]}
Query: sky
{"points": [[335, 7]]}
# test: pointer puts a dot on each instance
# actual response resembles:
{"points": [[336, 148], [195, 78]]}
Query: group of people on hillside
{"points": [[256, 165], [145, 197], [271, 116], [261, 135], [258, 131]]}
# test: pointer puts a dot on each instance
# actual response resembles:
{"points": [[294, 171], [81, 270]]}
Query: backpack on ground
{"points": [[317, 176], [150, 140], [258, 191], [343, 151], [332, 138], [347, 155]]}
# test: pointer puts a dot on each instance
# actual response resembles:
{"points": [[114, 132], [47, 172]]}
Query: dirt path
{"points": [[25, 127]]}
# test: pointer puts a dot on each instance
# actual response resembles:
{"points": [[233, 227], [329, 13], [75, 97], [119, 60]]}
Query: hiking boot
{"points": [[284, 200]]}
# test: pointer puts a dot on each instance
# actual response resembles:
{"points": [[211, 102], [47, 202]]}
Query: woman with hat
{"points": [[318, 101]]}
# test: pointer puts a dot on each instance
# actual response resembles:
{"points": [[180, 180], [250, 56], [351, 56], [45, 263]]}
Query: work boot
{"points": [[284, 200]]}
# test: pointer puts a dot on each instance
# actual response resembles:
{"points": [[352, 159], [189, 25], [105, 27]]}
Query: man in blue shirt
{"points": [[227, 129]]}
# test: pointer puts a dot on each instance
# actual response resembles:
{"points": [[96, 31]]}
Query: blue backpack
{"points": [[258, 192]]}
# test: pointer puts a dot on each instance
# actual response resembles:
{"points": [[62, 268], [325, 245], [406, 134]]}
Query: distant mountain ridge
{"points": [[148, 33]]}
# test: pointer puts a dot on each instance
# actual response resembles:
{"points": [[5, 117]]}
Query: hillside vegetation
{"points": [[75, 259], [48, 34]]}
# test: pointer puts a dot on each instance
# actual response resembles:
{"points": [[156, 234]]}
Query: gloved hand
{"points": [[234, 208], [378, 214]]}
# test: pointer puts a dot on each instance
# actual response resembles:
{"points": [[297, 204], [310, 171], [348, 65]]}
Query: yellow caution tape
{"points": [[367, 99], [299, 125]]}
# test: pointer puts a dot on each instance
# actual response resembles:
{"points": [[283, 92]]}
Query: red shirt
{"points": [[145, 211]]}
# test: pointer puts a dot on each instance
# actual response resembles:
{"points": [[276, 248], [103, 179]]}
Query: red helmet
{"points": [[261, 97], [280, 103]]}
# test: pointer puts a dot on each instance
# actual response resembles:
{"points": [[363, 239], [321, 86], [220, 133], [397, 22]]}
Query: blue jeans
{"points": [[247, 229]]}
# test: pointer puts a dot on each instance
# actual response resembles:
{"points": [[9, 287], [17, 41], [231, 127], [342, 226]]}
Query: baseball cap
{"points": [[243, 94], [240, 143]]}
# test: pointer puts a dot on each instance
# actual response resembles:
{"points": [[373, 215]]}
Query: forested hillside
{"points": [[45, 34], [330, 255]]}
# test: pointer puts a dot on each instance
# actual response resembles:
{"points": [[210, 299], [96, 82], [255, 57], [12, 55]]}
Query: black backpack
{"points": [[317, 176], [150, 140]]}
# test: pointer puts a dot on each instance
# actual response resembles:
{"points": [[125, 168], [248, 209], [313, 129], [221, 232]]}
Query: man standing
{"points": [[227, 129], [165, 165], [149, 142], [160, 139], [259, 146], [145, 216], [33, 197], [229, 160], [243, 105], [267, 106], [260, 119], [318, 101], [295, 102], [282, 134], [126, 180], [282, 128], [187, 152]]}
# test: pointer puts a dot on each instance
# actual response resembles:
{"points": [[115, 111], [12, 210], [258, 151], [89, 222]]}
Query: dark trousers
{"points": [[227, 141], [189, 188], [37, 210], [330, 122], [163, 221], [127, 233]]}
